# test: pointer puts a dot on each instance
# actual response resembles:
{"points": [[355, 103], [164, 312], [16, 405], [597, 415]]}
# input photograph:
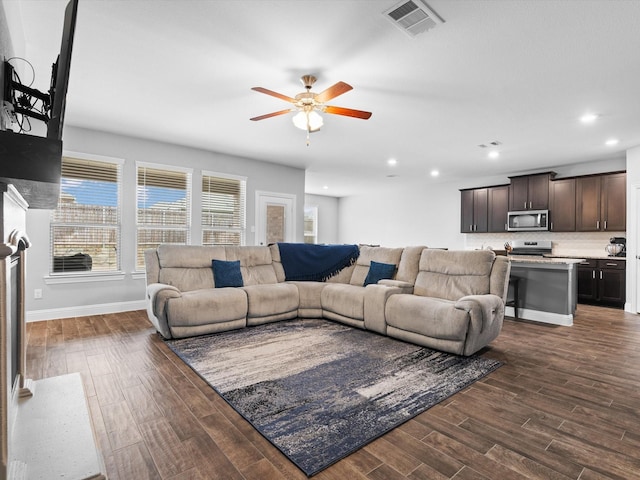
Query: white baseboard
{"points": [[84, 310], [538, 316]]}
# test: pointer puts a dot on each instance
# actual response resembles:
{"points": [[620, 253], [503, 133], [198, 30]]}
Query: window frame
{"points": [[70, 275], [188, 203], [243, 214]]}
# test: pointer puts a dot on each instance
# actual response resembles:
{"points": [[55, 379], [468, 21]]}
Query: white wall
{"points": [[101, 296], [428, 213], [402, 215], [327, 217], [633, 229]]}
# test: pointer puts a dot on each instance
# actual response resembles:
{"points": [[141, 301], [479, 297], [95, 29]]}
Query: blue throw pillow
{"points": [[379, 271], [226, 274]]}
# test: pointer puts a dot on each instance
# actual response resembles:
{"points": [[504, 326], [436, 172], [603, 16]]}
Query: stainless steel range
{"points": [[531, 247]]}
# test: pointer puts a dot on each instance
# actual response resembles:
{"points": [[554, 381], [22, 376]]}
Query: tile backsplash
{"points": [[569, 244]]}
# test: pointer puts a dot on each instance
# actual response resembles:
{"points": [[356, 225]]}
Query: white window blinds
{"points": [[85, 227], [223, 209], [163, 208]]}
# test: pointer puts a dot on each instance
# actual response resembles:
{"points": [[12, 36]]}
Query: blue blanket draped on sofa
{"points": [[309, 262]]}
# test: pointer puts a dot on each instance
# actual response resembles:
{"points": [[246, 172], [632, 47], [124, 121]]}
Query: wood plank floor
{"points": [[566, 405]]}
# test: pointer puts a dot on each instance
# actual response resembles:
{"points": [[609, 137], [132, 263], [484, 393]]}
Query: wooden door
{"points": [[613, 202], [498, 206], [588, 204], [480, 209], [588, 281], [612, 286], [538, 192], [519, 193], [466, 211], [562, 204]]}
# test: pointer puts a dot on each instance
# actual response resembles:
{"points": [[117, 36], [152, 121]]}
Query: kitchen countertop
{"points": [[544, 259], [592, 257]]}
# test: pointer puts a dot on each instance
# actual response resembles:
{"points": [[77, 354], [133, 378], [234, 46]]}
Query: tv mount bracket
{"points": [[25, 99]]}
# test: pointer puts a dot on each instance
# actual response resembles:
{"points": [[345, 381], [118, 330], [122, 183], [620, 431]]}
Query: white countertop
{"points": [[542, 259]]}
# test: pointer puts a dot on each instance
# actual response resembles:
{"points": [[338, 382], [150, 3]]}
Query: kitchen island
{"points": [[547, 288]]}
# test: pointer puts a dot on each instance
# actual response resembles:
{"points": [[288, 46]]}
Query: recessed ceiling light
{"points": [[392, 162], [494, 154], [611, 142], [435, 173], [325, 187], [589, 117]]}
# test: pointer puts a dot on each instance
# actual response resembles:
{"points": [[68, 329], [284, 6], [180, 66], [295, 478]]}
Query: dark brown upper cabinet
{"points": [[601, 203], [562, 205], [474, 209], [498, 203], [530, 192], [484, 209]]}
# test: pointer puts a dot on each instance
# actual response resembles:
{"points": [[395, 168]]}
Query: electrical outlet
{"points": [[37, 293]]}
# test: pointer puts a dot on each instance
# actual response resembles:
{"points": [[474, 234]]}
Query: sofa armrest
{"points": [[483, 310], [406, 287], [157, 296], [375, 301]]}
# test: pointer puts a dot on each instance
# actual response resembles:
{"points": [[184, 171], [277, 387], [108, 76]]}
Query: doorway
{"points": [[275, 218]]}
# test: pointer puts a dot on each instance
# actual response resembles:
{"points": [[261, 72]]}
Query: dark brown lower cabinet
{"points": [[603, 282]]}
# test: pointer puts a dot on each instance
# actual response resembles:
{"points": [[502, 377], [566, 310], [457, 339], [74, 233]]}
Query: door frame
{"points": [[288, 201], [633, 251]]}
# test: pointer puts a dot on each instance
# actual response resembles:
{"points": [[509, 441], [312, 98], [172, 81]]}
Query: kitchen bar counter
{"points": [[547, 288], [544, 259]]}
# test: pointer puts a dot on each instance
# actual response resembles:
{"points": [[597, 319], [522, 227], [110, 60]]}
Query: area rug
{"points": [[319, 390]]}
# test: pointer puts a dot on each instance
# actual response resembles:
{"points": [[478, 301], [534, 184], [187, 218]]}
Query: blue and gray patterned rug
{"points": [[319, 390]]}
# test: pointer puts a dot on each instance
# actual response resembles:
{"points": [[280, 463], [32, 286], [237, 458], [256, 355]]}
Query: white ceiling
{"points": [[518, 71]]}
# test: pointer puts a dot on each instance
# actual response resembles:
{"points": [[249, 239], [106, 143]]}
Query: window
{"points": [[310, 224], [163, 208], [85, 227], [223, 209]]}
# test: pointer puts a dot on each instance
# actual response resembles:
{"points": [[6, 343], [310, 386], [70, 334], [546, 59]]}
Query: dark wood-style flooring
{"points": [[565, 405]]}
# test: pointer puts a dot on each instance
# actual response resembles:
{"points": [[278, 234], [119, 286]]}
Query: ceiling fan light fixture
{"points": [[309, 121]]}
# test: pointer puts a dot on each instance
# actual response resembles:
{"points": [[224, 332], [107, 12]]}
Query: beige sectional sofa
{"points": [[447, 300]]}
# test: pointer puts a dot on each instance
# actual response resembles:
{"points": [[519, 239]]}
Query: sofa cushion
{"points": [[409, 264], [453, 274], [212, 305], [189, 256], [431, 317], [255, 264], [226, 273], [345, 300], [377, 254], [271, 299], [379, 271], [187, 267]]}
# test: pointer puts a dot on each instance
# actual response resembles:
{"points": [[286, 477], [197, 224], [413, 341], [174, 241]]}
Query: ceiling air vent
{"points": [[413, 17]]}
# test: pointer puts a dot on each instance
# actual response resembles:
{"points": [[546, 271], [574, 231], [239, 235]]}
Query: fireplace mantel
{"points": [[45, 426]]}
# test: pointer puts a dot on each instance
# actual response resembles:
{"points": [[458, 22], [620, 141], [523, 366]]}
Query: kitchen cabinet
{"points": [[484, 209], [530, 192], [498, 206], [474, 210], [562, 205], [601, 203], [602, 281]]}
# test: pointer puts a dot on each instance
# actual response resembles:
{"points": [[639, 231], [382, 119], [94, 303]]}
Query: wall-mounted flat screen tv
{"points": [[60, 73]]}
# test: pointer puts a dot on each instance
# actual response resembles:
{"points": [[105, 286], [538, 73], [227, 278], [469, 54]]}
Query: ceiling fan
{"points": [[308, 104]]}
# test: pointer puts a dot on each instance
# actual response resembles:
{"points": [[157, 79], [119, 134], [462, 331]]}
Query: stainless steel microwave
{"points": [[528, 221]]}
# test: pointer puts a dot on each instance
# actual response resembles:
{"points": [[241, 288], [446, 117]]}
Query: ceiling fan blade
{"points": [[333, 91], [347, 112], [274, 94], [269, 115]]}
